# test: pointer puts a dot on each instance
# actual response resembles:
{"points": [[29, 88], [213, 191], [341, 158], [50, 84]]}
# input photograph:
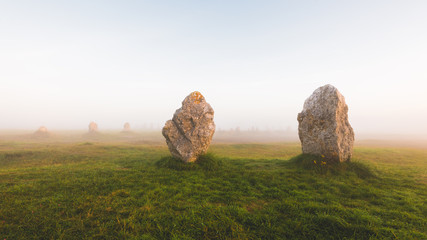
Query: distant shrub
{"points": [[17, 155], [207, 162]]}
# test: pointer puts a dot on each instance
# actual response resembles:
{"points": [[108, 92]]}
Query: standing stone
{"points": [[126, 127], [190, 131], [93, 127], [323, 128], [42, 132]]}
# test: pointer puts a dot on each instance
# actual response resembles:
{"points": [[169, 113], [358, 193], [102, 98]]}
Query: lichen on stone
{"points": [[197, 97]]}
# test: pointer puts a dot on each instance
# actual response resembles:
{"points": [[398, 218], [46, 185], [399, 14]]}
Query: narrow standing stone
{"points": [[323, 128]]}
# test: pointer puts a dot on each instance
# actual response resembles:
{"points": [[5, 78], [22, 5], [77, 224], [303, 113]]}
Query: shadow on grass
{"points": [[317, 164], [207, 162]]}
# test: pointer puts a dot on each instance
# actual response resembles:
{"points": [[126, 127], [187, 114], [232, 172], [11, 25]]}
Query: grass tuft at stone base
{"points": [[321, 166], [207, 162]]}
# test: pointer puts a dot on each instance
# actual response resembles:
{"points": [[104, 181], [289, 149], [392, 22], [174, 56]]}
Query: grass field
{"points": [[124, 190]]}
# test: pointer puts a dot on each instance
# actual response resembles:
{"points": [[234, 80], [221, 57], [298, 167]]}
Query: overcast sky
{"points": [[66, 63]]}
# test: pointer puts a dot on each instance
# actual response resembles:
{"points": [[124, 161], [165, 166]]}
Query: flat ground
{"points": [[125, 187]]}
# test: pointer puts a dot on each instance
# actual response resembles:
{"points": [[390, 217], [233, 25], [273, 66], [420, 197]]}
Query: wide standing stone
{"points": [[323, 128], [189, 133], [42, 132]]}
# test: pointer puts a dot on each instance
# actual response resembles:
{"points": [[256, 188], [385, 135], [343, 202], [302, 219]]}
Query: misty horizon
{"points": [[65, 64]]}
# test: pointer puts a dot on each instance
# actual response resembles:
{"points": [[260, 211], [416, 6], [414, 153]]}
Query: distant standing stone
{"points": [[42, 132], [93, 127], [189, 133], [323, 128], [126, 127]]}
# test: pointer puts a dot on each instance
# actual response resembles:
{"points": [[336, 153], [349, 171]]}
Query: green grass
{"points": [[207, 162], [244, 191]]}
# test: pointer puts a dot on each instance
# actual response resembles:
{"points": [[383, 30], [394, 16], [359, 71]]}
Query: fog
{"points": [[63, 64]]}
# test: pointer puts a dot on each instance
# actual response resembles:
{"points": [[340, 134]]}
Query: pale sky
{"points": [[66, 63]]}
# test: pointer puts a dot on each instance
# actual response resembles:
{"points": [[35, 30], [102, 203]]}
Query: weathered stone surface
{"points": [[93, 127], [323, 125], [42, 132], [190, 131], [126, 127]]}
